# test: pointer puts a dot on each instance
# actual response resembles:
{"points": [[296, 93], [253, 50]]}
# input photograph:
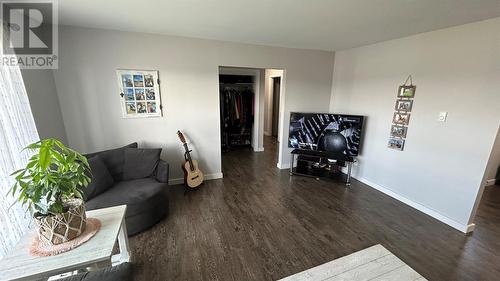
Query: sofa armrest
{"points": [[161, 174]]}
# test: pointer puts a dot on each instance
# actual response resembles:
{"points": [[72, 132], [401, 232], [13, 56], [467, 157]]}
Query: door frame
{"points": [[275, 107], [257, 141]]}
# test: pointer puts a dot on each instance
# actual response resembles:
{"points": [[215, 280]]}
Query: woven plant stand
{"points": [[61, 228]]}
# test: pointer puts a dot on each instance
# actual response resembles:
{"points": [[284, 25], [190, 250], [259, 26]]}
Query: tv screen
{"points": [[337, 133]]}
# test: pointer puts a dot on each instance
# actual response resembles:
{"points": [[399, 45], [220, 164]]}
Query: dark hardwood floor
{"points": [[260, 224]]}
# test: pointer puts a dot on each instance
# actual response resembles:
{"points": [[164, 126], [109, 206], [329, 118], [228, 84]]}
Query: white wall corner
{"points": [[470, 228]]}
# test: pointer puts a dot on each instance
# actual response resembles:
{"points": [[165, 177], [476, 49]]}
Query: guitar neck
{"points": [[188, 156]]}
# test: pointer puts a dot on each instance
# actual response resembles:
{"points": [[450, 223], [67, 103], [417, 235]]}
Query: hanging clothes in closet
{"points": [[237, 115]]}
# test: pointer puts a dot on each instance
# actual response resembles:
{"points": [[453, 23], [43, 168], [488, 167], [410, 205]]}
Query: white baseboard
{"points": [[258, 149], [207, 177], [426, 210], [491, 182], [470, 228], [214, 176], [267, 133], [175, 181], [283, 166]]}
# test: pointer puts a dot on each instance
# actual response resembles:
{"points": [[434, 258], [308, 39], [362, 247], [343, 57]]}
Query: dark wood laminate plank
{"points": [[260, 224]]}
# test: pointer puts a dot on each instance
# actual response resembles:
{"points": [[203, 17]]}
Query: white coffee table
{"points": [[95, 253]]}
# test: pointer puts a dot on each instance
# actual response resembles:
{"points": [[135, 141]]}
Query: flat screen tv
{"points": [[330, 132]]}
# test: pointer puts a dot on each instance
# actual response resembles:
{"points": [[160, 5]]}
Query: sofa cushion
{"points": [[138, 195], [121, 272], [162, 171], [140, 162], [101, 179], [114, 160]]}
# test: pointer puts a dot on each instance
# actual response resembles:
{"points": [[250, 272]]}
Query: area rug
{"points": [[38, 249], [374, 263]]}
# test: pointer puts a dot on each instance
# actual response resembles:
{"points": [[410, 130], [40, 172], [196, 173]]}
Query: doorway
{"points": [[237, 96], [239, 90], [273, 111], [487, 205], [268, 109], [276, 106]]}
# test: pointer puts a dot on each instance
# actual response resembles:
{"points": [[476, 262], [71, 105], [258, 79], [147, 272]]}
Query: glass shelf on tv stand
{"points": [[331, 159]]}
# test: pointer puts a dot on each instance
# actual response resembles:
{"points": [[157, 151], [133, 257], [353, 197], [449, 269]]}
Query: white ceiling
{"points": [[310, 24]]}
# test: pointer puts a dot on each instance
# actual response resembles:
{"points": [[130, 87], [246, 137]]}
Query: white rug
{"points": [[374, 263]]}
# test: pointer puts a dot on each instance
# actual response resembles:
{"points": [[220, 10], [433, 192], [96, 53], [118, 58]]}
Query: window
{"points": [[17, 129]]}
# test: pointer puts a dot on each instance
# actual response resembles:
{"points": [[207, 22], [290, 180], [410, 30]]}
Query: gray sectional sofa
{"points": [[132, 176]]}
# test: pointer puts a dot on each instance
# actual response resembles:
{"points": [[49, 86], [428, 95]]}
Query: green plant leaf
{"points": [[44, 160], [33, 146], [58, 157], [21, 175], [56, 208], [16, 172]]}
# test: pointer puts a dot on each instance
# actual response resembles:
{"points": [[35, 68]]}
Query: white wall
{"points": [[89, 98], [455, 70], [44, 103]]}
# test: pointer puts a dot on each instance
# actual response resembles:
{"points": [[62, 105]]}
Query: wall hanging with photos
{"points": [[140, 93], [401, 117]]}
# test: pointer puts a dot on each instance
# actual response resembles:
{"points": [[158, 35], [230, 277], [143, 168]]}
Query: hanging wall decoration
{"points": [[396, 143], [404, 105], [139, 93], [398, 131], [406, 91], [401, 117]]}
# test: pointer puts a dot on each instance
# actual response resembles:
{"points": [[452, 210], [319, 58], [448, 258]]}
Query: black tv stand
{"points": [[321, 155]]}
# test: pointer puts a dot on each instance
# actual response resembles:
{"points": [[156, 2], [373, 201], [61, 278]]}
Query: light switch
{"points": [[442, 116]]}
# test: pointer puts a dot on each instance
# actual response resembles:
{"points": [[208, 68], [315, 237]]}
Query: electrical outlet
{"points": [[442, 116]]}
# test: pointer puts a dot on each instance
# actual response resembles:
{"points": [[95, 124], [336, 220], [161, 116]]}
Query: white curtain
{"points": [[17, 129]]}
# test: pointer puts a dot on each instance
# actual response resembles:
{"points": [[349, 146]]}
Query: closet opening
{"points": [[237, 101]]}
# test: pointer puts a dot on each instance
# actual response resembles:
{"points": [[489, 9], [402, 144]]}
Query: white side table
{"points": [[97, 252]]}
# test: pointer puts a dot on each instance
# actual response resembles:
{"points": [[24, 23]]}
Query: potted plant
{"points": [[50, 186]]}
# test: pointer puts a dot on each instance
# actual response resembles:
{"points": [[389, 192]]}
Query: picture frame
{"points": [[400, 118], [398, 131], [406, 91], [404, 105], [396, 144], [139, 93]]}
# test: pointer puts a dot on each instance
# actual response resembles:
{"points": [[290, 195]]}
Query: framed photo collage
{"points": [[140, 93]]}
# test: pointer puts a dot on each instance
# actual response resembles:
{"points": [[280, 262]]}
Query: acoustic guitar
{"points": [[193, 177]]}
